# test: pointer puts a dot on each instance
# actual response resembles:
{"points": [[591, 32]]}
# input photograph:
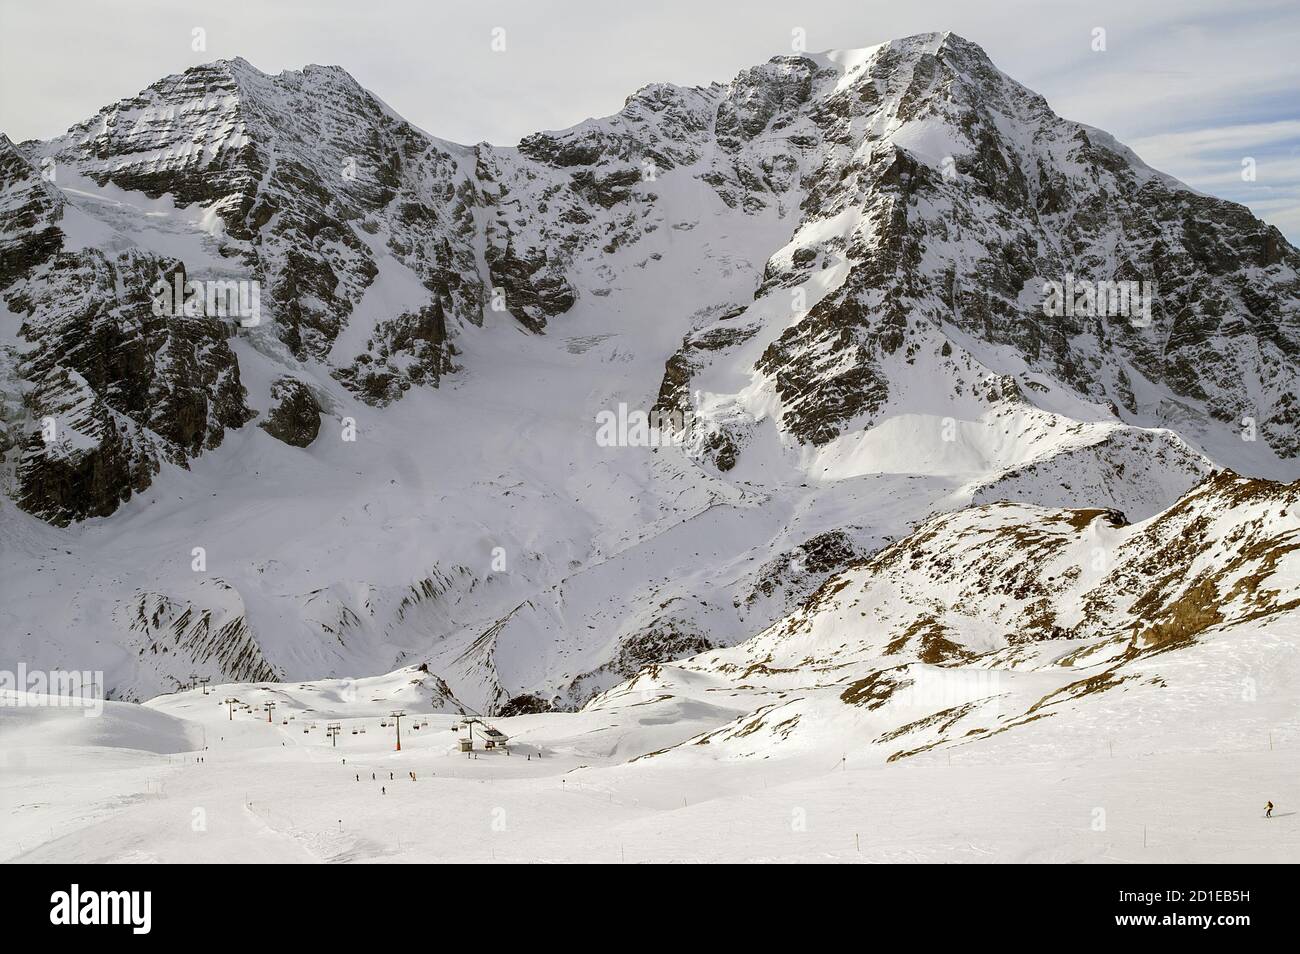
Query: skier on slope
{"points": [[1268, 810]]}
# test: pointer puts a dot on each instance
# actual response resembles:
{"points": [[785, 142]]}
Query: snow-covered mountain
{"points": [[829, 274], [990, 619]]}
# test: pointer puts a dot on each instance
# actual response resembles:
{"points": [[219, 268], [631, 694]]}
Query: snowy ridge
{"points": [[993, 618]]}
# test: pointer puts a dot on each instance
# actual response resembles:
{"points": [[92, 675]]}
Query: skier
{"points": [[372, 777], [1268, 810], [390, 776], [382, 790]]}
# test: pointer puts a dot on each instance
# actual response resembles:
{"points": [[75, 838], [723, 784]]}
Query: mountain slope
{"points": [[989, 620], [828, 271]]}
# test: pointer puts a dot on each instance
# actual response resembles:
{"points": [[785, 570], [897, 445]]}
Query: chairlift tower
{"points": [[397, 721]]}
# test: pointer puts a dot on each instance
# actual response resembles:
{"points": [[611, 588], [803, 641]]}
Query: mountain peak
{"points": [[907, 47]]}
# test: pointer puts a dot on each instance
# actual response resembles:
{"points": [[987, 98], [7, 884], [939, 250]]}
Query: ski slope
{"points": [[1154, 775]]}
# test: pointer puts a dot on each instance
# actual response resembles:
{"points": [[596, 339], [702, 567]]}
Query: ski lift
{"points": [[304, 731], [383, 724], [354, 731]]}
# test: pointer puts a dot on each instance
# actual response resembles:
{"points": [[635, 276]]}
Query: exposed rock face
{"points": [[118, 383], [29, 215], [411, 349], [718, 439], [309, 179], [967, 240], [295, 417], [170, 384], [667, 639], [80, 463], [305, 170], [533, 289], [824, 554], [206, 627], [525, 704]]}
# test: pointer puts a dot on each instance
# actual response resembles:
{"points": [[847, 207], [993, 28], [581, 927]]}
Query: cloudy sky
{"points": [[1194, 86]]}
